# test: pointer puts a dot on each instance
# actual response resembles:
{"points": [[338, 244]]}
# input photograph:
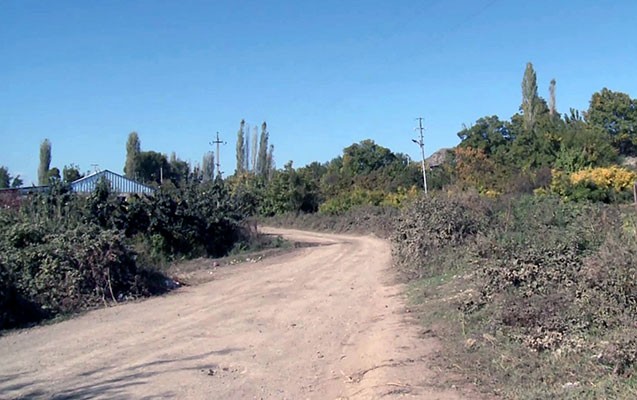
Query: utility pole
{"points": [[421, 142], [218, 156]]}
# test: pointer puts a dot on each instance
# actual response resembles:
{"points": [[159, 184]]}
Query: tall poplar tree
{"points": [[133, 149], [246, 157], [45, 162], [262, 158], [208, 167], [270, 162], [255, 149], [530, 99], [241, 148], [552, 102]]}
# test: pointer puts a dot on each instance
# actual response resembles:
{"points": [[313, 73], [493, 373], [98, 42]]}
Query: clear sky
{"points": [[323, 74]]}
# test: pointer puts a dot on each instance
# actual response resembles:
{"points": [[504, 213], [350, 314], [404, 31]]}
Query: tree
{"points": [[475, 169], [490, 135], [615, 113], [246, 156], [133, 148], [583, 146], [270, 167], [552, 103], [71, 173], [7, 181], [365, 157], [53, 176], [5, 178], [289, 191], [535, 139], [534, 149], [313, 172], [45, 162], [331, 181], [152, 166], [371, 167], [241, 149], [16, 182], [178, 170], [255, 149], [530, 100], [262, 158], [208, 167]]}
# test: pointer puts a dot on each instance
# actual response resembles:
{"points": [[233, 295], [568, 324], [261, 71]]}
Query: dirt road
{"points": [[323, 322]]}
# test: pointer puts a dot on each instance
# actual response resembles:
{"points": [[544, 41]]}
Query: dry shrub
{"points": [[432, 223], [609, 280], [547, 286]]}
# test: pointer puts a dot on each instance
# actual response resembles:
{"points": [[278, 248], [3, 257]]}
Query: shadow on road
{"points": [[89, 384]]}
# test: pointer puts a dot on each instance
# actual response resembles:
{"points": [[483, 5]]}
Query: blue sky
{"points": [[323, 74]]}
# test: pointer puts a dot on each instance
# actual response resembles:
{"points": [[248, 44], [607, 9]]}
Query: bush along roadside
{"points": [[60, 252], [378, 220], [535, 298]]}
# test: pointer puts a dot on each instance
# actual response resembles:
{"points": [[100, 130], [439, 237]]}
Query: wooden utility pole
{"points": [[218, 155], [421, 142]]}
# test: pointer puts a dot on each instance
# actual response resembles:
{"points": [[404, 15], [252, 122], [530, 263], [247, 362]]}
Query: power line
{"points": [[218, 155], [421, 142], [443, 35]]}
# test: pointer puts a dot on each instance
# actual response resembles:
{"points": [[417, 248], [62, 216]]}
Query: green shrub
{"points": [[61, 252], [62, 271], [348, 200]]}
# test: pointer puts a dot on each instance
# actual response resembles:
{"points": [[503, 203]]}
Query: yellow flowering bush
{"points": [[614, 177], [401, 197], [362, 197], [607, 184]]}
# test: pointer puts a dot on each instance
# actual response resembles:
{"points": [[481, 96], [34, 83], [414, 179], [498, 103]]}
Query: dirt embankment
{"points": [[323, 322]]}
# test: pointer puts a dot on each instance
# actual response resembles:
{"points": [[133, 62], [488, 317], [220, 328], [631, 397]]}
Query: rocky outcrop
{"points": [[438, 158]]}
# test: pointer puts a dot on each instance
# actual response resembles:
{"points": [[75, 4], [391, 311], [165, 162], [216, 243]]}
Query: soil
{"points": [[321, 322]]}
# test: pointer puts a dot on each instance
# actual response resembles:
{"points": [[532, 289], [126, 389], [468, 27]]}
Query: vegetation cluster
{"points": [[62, 252], [535, 296]]}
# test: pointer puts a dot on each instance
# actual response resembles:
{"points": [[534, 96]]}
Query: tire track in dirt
{"points": [[322, 322]]}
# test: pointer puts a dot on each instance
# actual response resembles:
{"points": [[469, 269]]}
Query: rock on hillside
{"points": [[438, 158]]}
